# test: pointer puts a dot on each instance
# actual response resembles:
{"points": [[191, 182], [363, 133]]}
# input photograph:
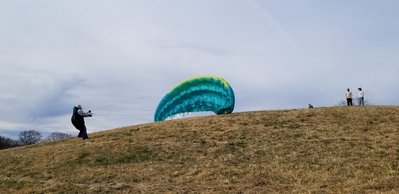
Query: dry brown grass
{"points": [[323, 150]]}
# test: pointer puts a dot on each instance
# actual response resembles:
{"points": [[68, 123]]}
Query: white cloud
{"points": [[120, 58]]}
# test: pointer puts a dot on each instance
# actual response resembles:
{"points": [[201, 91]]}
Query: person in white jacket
{"points": [[361, 97]]}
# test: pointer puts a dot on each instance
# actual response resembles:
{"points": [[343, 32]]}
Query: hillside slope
{"points": [[323, 150]]}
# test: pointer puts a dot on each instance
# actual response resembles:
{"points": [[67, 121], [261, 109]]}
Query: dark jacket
{"points": [[77, 119]]}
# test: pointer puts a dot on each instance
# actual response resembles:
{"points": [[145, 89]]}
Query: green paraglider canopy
{"points": [[198, 94]]}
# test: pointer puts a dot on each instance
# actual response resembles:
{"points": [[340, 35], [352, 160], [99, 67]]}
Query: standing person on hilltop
{"points": [[79, 122], [348, 97], [361, 97]]}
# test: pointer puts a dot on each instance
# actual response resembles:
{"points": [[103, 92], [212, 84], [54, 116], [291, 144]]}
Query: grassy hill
{"points": [[323, 150]]}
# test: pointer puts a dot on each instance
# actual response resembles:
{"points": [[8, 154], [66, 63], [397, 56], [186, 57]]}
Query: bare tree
{"points": [[57, 136], [342, 103], [28, 137], [6, 142]]}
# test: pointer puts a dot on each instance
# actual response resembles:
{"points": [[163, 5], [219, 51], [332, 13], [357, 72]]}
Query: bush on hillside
{"points": [[29, 137], [57, 136], [6, 142]]}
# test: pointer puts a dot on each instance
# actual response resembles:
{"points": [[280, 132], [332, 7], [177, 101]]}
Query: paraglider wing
{"points": [[207, 93]]}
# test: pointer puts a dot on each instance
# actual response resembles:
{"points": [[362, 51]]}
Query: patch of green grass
{"points": [[83, 157], [134, 154], [13, 183], [137, 154]]}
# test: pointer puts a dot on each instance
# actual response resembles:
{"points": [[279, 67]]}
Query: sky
{"points": [[120, 57]]}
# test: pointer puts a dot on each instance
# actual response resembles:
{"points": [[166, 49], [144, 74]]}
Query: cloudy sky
{"points": [[120, 57]]}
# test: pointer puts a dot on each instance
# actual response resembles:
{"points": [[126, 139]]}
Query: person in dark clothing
{"points": [[79, 122]]}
